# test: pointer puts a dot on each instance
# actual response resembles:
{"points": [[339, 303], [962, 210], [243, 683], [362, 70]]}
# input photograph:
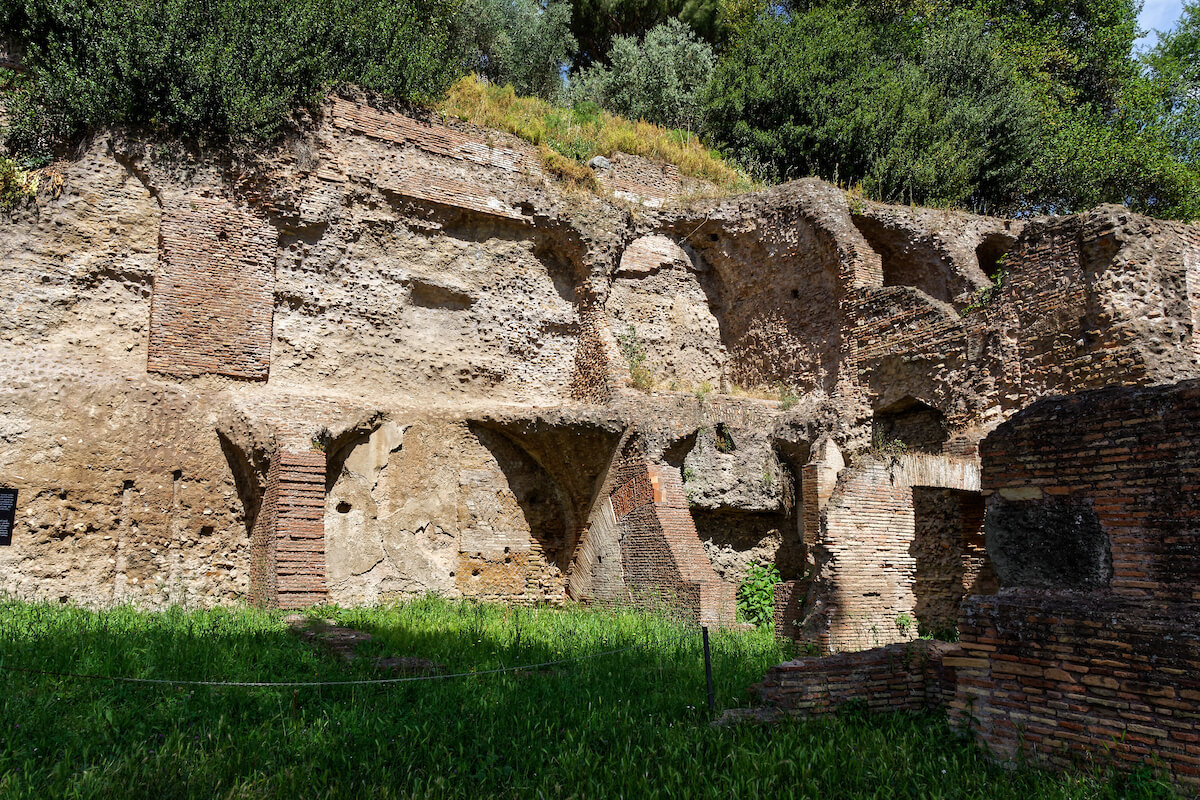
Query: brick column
{"points": [[288, 543]]}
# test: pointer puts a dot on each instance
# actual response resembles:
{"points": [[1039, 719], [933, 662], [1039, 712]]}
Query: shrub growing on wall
{"points": [[756, 595], [233, 67]]}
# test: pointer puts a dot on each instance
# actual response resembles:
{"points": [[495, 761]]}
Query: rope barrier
{"points": [[316, 684]]}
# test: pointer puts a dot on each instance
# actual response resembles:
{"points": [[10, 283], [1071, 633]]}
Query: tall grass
{"points": [[585, 131], [631, 724]]}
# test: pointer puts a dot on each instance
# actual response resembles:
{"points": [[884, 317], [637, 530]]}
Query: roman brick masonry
{"points": [[1090, 651], [392, 355]]}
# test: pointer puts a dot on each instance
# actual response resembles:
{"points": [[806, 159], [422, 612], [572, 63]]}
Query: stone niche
{"points": [[657, 302], [448, 507]]}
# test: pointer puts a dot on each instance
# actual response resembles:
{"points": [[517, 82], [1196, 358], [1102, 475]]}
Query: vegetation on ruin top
{"points": [[1011, 108], [629, 724], [585, 131]]}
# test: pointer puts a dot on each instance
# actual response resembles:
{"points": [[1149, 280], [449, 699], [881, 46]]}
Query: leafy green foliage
{"points": [[756, 595], [1100, 140], [14, 184], [520, 43], [985, 295], [631, 724], [913, 113], [597, 23], [1007, 107], [1172, 90], [230, 67], [786, 396], [1174, 65], [658, 79]]}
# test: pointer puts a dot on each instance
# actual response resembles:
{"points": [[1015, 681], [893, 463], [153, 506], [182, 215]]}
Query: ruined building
{"points": [[395, 355]]}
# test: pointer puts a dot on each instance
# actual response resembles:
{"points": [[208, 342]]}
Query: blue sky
{"points": [[1157, 15]]}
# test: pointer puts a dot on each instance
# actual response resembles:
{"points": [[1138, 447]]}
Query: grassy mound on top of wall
{"points": [[570, 137], [627, 724]]}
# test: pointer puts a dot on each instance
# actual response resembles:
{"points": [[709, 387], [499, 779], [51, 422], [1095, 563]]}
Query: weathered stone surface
{"points": [[404, 375]]}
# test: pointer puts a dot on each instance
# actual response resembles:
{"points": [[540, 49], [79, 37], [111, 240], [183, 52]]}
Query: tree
{"points": [[1174, 70], [659, 79], [913, 112], [224, 67], [596, 23], [522, 43]]}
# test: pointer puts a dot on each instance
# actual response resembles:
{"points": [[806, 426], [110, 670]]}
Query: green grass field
{"points": [[631, 724]]}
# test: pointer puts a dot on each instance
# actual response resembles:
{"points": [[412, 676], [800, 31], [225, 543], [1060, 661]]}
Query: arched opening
{"points": [[991, 253], [909, 425]]}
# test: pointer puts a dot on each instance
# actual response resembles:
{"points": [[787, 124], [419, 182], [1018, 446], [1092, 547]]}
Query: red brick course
{"points": [[662, 557], [898, 677], [1065, 678], [1107, 671], [214, 291], [287, 547]]}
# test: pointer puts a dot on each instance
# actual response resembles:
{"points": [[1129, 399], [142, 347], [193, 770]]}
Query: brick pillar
{"points": [[661, 552], [288, 543]]}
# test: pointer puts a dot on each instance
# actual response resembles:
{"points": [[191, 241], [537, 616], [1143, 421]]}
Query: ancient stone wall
{"points": [[775, 287], [1097, 299], [640, 180], [656, 304], [898, 677], [381, 275], [125, 493], [1092, 649]]}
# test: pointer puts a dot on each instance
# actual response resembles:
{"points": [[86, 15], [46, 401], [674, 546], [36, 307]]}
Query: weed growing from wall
{"points": [[984, 296], [756, 595], [787, 398], [635, 354]]}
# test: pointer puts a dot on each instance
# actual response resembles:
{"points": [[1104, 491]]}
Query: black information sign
{"points": [[8, 513]]}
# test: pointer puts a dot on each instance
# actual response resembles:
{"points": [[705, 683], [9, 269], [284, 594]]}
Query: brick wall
{"points": [[263, 582], [871, 563], [790, 599], [1089, 300], [214, 291], [898, 677], [1065, 678], [287, 546], [1098, 299], [1128, 456], [1093, 648], [662, 557]]}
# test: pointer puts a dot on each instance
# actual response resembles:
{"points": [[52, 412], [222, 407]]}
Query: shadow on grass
{"points": [[628, 724]]}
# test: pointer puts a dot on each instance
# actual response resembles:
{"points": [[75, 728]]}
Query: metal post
{"points": [[712, 701]]}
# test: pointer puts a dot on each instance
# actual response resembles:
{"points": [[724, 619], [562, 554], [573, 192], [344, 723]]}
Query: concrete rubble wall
{"points": [[439, 332]]}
